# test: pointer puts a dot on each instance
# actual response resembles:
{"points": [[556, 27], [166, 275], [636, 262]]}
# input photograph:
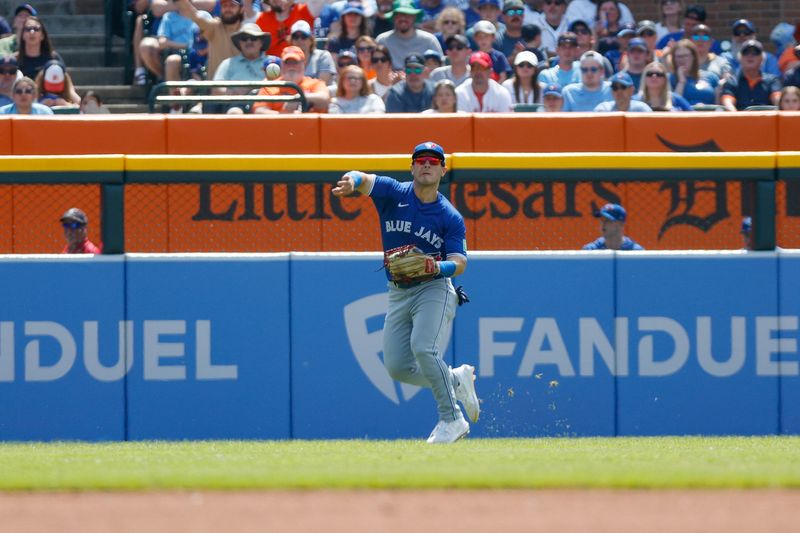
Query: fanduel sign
{"points": [[775, 336], [62, 353]]}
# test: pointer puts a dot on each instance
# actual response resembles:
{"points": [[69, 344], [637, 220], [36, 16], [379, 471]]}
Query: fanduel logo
{"points": [[368, 346], [51, 351]]}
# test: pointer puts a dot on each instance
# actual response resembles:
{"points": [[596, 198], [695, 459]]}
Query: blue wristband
{"points": [[447, 268], [358, 179]]}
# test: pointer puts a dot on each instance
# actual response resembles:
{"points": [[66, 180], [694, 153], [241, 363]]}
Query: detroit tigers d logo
{"points": [[368, 346]]}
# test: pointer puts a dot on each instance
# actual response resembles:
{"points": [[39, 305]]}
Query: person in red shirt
{"points": [[282, 15], [293, 69], [75, 224]]}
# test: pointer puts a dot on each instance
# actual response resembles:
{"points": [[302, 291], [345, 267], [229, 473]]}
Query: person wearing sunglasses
{"points": [[10, 44], [415, 93], [592, 89], [744, 31], [523, 86], [509, 39], [480, 93], [319, 63], [385, 77], [422, 304], [622, 89], [751, 86], [450, 22], [365, 47], [655, 90], [8, 75], [75, 224], [709, 61], [24, 96], [35, 49], [458, 52]]}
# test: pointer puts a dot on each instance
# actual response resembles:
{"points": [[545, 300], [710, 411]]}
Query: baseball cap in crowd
{"points": [[743, 23], [414, 60], [405, 7], [747, 225], [484, 26], [293, 52], [455, 40], [430, 53], [701, 28], [592, 55], [695, 12], [578, 23], [637, 42], [567, 38], [553, 89], [75, 215], [354, 7], [613, 212], [752, 43], [621, 78], [627, 30], [428, 148], [26, 7], [346, 58], [513, 4], [301, 26], [645, 26], [8, 61], [480, 58], [496, 3], [526, 56], [54, 76]]}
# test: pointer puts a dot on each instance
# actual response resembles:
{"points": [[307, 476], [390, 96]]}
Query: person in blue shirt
{"points": [[24, 94], [622, 90], [421, 308], [592, 89], [612, 226], [686, 79]]}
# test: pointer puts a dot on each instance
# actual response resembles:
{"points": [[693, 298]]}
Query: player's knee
{"points": [[422, 348], [396, 371]]}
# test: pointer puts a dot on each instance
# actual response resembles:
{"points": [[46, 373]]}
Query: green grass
{"points": [[668, 462]]}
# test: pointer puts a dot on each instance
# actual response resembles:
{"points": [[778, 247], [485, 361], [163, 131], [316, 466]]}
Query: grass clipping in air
{"points": [[657, 462]]}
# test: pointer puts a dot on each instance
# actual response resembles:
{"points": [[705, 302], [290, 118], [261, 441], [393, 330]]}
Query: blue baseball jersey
{"points": [[600, 244], [435, 228]]}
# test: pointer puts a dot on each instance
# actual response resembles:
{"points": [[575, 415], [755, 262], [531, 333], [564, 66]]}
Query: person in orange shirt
{"points": [[282, 15], [293, 69]]}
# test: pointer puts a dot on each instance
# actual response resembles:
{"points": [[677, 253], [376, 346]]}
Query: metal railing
{"points": [[155, 99]]}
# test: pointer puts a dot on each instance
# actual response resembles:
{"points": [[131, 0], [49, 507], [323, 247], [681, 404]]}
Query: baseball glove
{"points": [[409, 263]]}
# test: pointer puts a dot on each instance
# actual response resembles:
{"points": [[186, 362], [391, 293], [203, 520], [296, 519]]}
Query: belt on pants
{"points": [[406, 284]]}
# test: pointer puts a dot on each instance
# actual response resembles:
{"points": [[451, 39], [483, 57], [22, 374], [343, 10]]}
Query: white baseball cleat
{"points": [[447, 432], [465, 392]]}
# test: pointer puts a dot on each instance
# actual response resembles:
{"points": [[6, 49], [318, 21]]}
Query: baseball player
{"points": [[612, 226], [424, 239]]}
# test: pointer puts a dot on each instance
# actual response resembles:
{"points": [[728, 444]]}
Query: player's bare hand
{"points": [[345, 186]]}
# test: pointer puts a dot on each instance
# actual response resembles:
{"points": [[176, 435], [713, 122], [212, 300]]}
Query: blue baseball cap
{"points": [[353, 7], [747, 225], [553, 89], [614, 212], [26, 7], [428, 147], [623, 78], [637, 42], [744, 22]]}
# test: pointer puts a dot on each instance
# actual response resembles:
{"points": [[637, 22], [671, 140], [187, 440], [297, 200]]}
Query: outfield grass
{"points": [[668, 462]]}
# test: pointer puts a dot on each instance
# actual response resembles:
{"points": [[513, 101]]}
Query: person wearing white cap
{"points": [[55, 85], [523, 87], [319, 63]]}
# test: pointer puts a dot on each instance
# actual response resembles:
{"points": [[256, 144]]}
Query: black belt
{"points": [[406, 284]]}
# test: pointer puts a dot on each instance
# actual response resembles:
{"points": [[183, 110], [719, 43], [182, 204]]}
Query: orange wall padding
{"points": [[697, 132], [789, 131], [5, 136], [105, 134]]}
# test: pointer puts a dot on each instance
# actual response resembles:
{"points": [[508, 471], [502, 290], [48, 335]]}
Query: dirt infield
{"points": [[492, 511]]}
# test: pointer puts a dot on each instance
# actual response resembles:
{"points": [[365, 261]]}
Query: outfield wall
{"points": [[275, 346]]}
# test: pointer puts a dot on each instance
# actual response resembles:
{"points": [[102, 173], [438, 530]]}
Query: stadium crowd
{"points": [[427, 56]]}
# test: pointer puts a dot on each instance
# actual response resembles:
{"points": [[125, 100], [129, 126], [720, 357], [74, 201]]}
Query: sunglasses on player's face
{"points": [[429, 160]]}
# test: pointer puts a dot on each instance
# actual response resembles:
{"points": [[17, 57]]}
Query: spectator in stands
{"points": [[36, 48], [433, 60], [553, 23], [636, 59], [382, 20], [444, 98], [747, 232], [278, 21], [365, 46], [54, 85], [347, 58], [552, 99], [646, 30], [509, 41], [587, 10], [385, 77], [76, 229], [686, 78], [5, 28], [354, 25], [745, 31], [23, 94], [353, 94], [789, 99], [567, 70], [292, 69], [413, 95], [670, 18], [751, 86], [592, 89], [622, 91], [583, 33], [612, 226], [142, 9], [197, 60], [458, 53], [10, 44], [319, 63], [163, 55], [430, 11], [490, 10], [607, 21], [613, 47], [792, 76], [523, 86], [450, 22], [480, 93], [694, 14], [92, 104], [483, 34], [8, 75], [405, 40], [655, 90], [790, 57], [217, 31], [247, 65], [531, 36], [709, 61]]}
